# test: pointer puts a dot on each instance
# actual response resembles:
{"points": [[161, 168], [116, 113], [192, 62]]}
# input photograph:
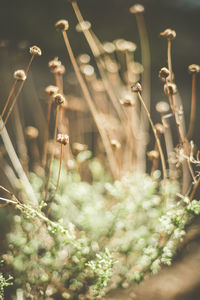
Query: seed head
{"points": [[63, 138], [77, 147], [170, 88], [85, 25], [136, 87], [35, 50], [136, 9], [194, 69], [31, 132], [162, 107], [59, 70], [51, 90], [159, 128], [169, 34], [20, 75], [62, 25], [127, 101], [83, 58], [115, 144], [109, 47], [59, 99], [163, 73], [153, 154], [54, 63], [87, 70]]}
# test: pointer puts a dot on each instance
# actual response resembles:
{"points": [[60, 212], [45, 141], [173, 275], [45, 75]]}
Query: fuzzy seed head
{"points": [[62, 25], [35, 50], [83, 59], [85, 25], [162, 107], [170, 88], [115, 144], [153, 154], [54, 63], [78, 147], [136, 87], [20, 75], [31, 132], [163, 73], [194, 69], [51, 90], [63, 139], [136, 9], [59, 70], [59, 99], [169, 34], [159, 128], [109, 47]]}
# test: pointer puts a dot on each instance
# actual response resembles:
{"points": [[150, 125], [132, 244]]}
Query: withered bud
{"points": [[63, 138], [136, 87], [78, 147], [170, 88], [194, 69], [85, 25], [59, 99], [62, 25], [162, 107], [31, 132], [153, 154], [51, 90], [127, 101], [59, 70], [20, 75], [169, 34], [115, 144], [35, 50], [159, 128], [83, 58], [136, 9], [54, 63], [164, 73]]}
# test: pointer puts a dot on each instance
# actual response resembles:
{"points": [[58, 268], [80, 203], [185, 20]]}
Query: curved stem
{"points": [[9, 98], [193, 107]]}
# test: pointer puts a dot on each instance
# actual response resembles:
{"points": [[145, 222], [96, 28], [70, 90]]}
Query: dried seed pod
{"points": [[194, 69], [170, 88], [20, 75], [169, 34], [54, 63], [35, 50], [136, 87], [51, 90], [78, 147], [164, 73], [87, 70], [127, 101], [153, 154], [83, 58], [59, 99], [136, 9], [62, 25], [59, 70], [85, 25], [62, 138], [115, 144], [159, 128], [31, 132], [108, 47], [162, 107]]}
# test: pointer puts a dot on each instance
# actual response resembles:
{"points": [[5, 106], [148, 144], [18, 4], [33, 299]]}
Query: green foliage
{"points": [[97, 236], [4, 283]]}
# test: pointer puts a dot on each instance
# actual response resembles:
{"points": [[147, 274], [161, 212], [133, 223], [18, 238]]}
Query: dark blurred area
{"points": [[24, 23]]}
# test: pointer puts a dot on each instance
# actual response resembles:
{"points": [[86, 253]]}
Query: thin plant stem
{"points": [[156, 136], [89, 101], [46, 138], [17, 95], [193, 107], [9, 98], [53, 151], [169, 60]]}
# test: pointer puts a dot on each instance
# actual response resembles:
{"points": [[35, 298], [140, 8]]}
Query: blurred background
{"points": [[24, 23]]}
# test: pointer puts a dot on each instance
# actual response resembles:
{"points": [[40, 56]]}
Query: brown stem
{"points": [[169, 60], [46, 138], [9, 98], [91, 105], [156, 136], [193, 107]]}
